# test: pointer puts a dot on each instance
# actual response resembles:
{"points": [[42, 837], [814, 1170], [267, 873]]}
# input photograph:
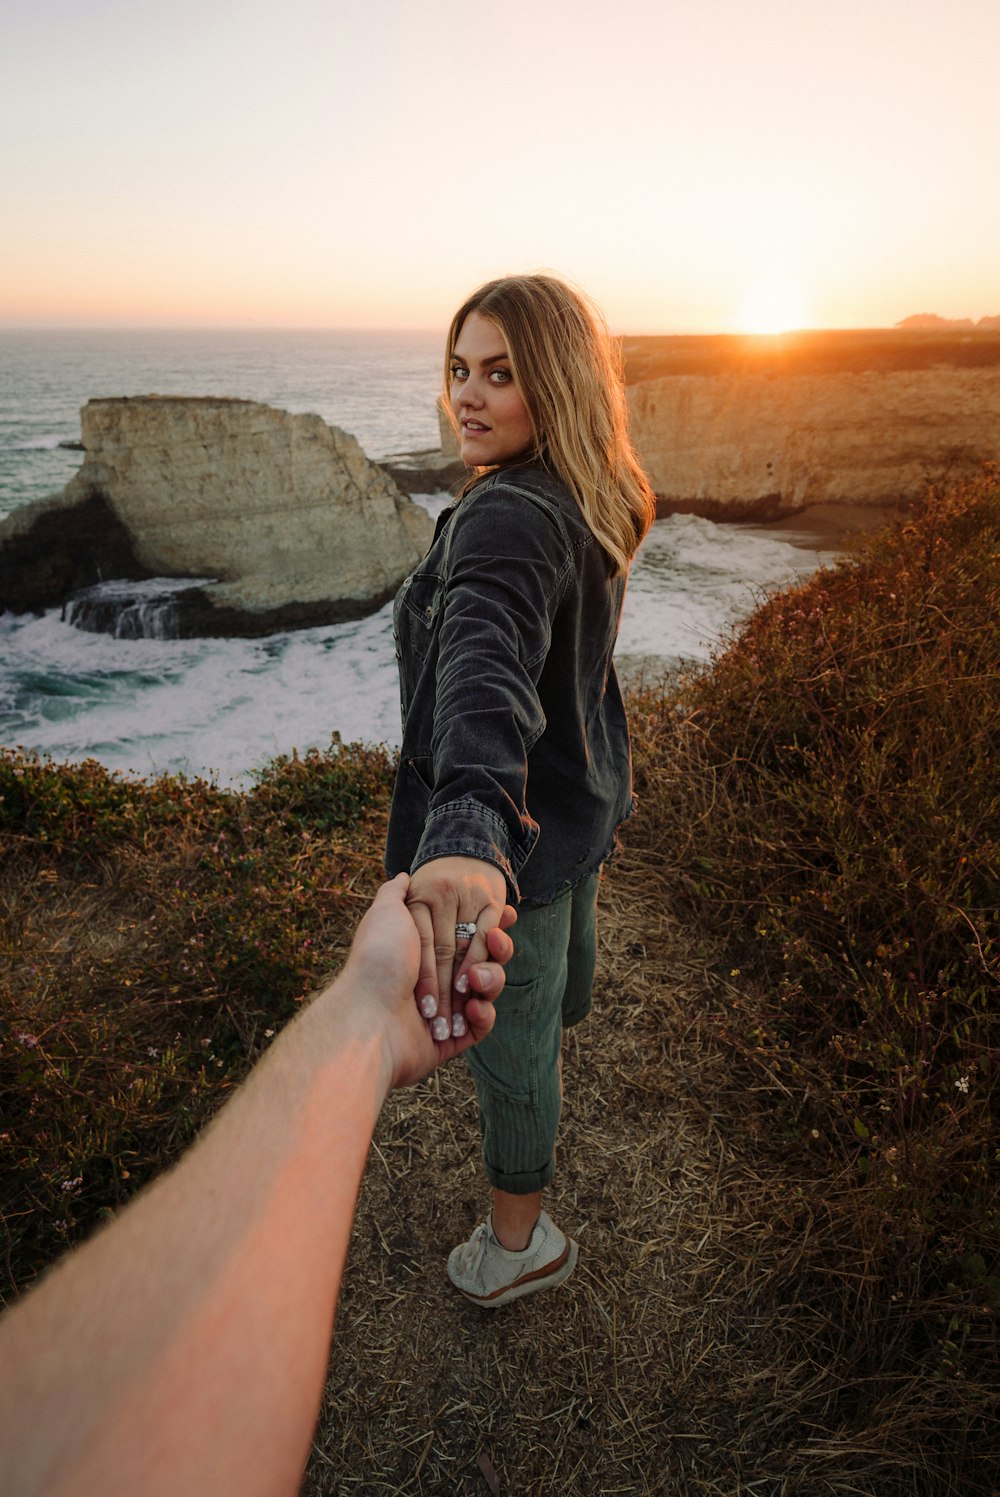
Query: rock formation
{"points": [[761, 444], [448, 434], [291, 525], [932, 320], [924, 320], [285, 513]]}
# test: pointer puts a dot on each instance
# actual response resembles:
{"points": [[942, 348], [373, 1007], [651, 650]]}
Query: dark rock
{"points": [[427, 472], [60, 548], [198, 617], [172, 608], [722, 511]]}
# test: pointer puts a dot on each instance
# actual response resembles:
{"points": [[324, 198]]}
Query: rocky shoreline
{"points": [[812, 435]]}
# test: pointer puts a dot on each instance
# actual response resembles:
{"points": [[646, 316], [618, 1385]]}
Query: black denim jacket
{"points": [[515, 744]]}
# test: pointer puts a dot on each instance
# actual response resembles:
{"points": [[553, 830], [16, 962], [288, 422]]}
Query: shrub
{"points": [[325, 789], [157, 934], [87, 809], [826, 797]]}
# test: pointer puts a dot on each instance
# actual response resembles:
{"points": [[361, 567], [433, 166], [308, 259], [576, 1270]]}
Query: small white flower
{"points": [[962, 1084]]}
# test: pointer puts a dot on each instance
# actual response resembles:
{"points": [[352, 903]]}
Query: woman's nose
{"points": [[471, 394]]}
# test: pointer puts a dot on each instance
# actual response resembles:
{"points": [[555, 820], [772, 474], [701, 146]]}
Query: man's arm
{"points": [[184, 1348]]}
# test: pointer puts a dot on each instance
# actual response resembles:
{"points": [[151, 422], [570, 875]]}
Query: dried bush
{"points": [[825, 798]]}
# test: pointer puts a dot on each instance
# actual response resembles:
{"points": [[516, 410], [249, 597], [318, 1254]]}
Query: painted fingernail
{"points": [[485, 978], [461, 983], [458, 1026], [428, 1005], [439, 1028]]}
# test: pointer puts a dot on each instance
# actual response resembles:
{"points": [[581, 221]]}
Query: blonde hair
{"points": [[570, 378]]}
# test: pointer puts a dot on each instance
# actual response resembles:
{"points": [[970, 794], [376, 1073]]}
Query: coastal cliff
{"points": [[757, 445], [283, 515], [755, 428]]}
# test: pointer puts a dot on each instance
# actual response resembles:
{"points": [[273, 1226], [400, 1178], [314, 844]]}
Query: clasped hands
{"points": [[443, 894], [404, 954]]}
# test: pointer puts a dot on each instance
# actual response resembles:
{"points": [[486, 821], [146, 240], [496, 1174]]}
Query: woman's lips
{"points": [[474, 428]]}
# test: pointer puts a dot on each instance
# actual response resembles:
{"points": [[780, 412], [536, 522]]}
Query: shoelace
{"points": [[476, 1248]]}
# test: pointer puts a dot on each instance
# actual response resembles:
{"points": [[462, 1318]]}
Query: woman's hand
{"points": [[381, 973], [444, 893]]}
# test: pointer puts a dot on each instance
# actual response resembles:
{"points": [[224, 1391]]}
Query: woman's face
{"points": [[493, 421]]}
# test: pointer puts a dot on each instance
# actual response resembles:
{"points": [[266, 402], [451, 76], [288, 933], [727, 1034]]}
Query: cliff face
{"points": [[758, 444], [287, 513], [737, 427]]}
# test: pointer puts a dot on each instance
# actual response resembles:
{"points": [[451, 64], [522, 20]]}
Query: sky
{"points": [[697, 166]]}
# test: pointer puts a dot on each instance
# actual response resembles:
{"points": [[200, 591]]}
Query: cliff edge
{"points": [[760, 445]]}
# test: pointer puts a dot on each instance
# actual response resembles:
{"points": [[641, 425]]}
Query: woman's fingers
{"points": [[469, 954], [459, 944], [465, 942], [454, 903], [470, 948], [442, 989], [442, 985], [427, 990], [482, 978]]}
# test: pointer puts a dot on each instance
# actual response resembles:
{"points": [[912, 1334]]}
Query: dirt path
{"points": [[676, 1360]]}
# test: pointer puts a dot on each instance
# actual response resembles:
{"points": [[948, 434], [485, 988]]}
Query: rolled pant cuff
{"points": [[520, 1185]]}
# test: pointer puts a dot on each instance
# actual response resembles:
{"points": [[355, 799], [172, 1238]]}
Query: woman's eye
{"points": [[501, 376], [459, 371]]}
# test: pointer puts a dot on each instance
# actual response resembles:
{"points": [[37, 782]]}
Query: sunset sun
{"points": [[773, 305]]}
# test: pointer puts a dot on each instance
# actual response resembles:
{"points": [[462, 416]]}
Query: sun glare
{"points": [[773, 305]]}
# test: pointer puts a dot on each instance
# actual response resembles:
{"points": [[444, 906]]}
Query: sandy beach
{"points": [[829, 527]]}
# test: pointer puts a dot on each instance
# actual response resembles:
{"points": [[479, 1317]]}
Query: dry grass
{"points": [[729, 1329], [788, 1283], [694, 1351]]}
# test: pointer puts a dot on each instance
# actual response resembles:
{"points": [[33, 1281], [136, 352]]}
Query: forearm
{"points": [[493, 642], [113, 1373]]}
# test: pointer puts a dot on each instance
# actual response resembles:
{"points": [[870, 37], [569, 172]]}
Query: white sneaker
{"points": [[490, 1275]]}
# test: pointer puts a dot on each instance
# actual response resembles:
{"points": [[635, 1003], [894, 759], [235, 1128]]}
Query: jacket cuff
{"points": [[467, 829]]}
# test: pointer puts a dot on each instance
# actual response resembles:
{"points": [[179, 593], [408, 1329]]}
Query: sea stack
{"points": [[286, 515]]}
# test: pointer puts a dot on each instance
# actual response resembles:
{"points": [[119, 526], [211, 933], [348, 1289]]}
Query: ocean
{"points": [[223, 708]]}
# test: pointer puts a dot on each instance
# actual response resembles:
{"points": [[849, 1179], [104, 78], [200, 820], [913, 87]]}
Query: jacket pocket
{"points": [[421, 600], [421, 770]]}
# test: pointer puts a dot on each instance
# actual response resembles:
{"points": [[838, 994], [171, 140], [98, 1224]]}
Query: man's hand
{"points": [[383, 970]]}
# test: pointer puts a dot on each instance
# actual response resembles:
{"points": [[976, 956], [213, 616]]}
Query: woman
{"points": [[515, 771]]}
